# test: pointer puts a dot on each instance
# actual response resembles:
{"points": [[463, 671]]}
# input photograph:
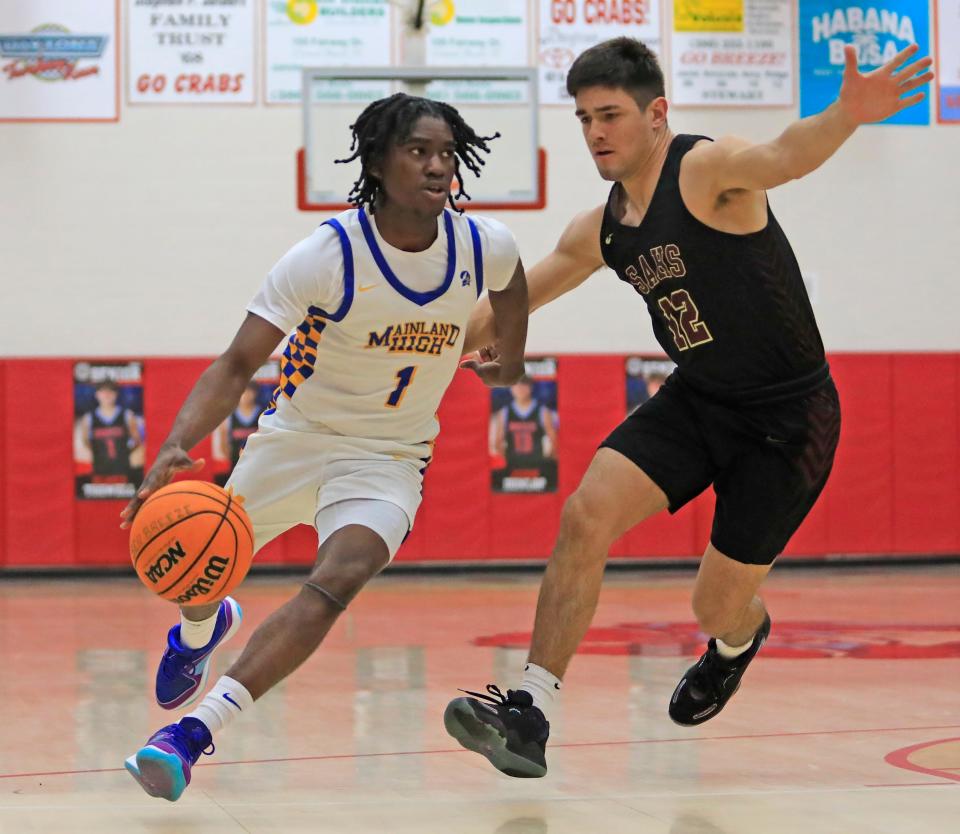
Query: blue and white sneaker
{"points": [[183, 671], [162, 765]]}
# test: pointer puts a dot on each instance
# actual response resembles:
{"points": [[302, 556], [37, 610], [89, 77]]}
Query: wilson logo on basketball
{"points": [[212, 574], [193, 543]]}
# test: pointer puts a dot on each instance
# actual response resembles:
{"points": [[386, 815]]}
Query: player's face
{"points": [[521, 392], [106, 397], [248, 398], [619, 135], [417, 173]]}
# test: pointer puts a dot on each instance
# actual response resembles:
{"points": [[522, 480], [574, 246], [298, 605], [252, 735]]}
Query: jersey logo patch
{"points": [[367, 288], [464, 279]]}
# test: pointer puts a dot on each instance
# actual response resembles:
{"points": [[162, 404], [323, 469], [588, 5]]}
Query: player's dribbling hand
{"points": [[170, 461], [491, 370], [877, 95]]}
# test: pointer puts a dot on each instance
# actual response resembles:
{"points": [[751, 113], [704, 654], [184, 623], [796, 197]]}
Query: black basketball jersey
{"points": [[730, 310], [524, 437], [110, 443], [239, 428]]}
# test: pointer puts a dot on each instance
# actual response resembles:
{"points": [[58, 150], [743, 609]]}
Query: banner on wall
{"points": [[948, 60], [478, 33], [323, 33], [58, 61], [734, 53], [568, 27], [231, 435], [878, 29], [523, 431], [108, 429], [190, 54], [644, 376]]}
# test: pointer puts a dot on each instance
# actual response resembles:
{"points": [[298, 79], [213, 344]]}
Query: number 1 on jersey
{"points": [[404, 378]]}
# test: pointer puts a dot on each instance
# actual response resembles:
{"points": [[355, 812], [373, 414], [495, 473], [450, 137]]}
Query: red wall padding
{"points": [[895, 488]]}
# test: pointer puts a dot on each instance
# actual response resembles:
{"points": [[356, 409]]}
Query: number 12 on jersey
{"points": [[404, 378], [683, 319]]}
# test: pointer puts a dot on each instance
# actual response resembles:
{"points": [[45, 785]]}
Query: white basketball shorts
{"points": [[288, 477]]}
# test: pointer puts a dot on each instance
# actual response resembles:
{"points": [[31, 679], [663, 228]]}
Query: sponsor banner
{"points": [[323, 33], [948, 60], [478, 33], [644, 376], [58, 61], [108, 429], [878, 29], [523, 431], [733, 53], [568, 27], [190, 51], [231, 435]]}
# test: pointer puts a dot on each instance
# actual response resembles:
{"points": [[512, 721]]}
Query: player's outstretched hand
{"points": [[878, 95], [170, 461], [491, 370]]}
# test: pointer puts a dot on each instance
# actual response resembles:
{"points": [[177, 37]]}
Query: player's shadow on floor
{"points": [[524, 825], [694, 824]]}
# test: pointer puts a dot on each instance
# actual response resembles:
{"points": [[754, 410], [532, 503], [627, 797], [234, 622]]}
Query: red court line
{"points": [[571, 745], [911, 785], [901, 758]]}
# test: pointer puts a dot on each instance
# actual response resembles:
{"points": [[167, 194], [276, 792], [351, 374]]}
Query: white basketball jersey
{"points": [[378, 366]]}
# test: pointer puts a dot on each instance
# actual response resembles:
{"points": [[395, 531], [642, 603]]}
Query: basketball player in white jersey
{"points": [[376, 302]]}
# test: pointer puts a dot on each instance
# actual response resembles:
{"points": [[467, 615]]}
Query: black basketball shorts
{"points": [[768, 463]]}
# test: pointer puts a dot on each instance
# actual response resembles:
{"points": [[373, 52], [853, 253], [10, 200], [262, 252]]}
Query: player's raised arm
{"points": [[576, 257], [732, 163], [215, 394]]}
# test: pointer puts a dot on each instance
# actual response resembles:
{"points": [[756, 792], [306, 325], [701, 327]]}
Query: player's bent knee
{"points": [[348, 563], [583, 519]]}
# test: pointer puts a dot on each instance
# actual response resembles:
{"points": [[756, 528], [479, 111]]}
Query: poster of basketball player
{"points": [[645, 375], [108, 429], [231, 435], [523, 431]]}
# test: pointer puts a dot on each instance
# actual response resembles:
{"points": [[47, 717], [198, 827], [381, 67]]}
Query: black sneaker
{"points": [[508, 729], [706, 686]]}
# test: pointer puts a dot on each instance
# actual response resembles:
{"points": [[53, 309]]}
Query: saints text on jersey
{"points": [[416, 337]]}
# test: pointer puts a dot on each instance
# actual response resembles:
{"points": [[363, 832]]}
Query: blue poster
{"points": [[878, 29]]}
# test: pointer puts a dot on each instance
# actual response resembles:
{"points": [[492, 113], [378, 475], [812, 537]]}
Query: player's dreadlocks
{"points": [[390, 120]]}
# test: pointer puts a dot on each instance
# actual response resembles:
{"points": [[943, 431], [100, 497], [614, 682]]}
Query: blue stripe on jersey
{"points": [[348, 279], [419, 298], [477, 255]]}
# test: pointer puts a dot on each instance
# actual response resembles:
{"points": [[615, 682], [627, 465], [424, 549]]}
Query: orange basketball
{"points": [[191, 543]]}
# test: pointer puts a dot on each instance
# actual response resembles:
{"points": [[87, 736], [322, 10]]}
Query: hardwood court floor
{"points": [[847, 723]]}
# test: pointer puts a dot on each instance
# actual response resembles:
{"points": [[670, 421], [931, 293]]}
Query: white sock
{"points": [[544, 686], [730, 652], [222, 704], [195, 634]]}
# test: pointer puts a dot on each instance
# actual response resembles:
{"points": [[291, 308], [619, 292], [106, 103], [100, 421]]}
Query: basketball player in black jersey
{"points": [[751, 408], [110, 433], [518, 431]]}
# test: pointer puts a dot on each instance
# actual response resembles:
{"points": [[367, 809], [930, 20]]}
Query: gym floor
{"points": [[846, 723]]}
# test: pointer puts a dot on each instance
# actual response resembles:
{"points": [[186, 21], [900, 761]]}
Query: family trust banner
{"points": [[190, 53]]}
